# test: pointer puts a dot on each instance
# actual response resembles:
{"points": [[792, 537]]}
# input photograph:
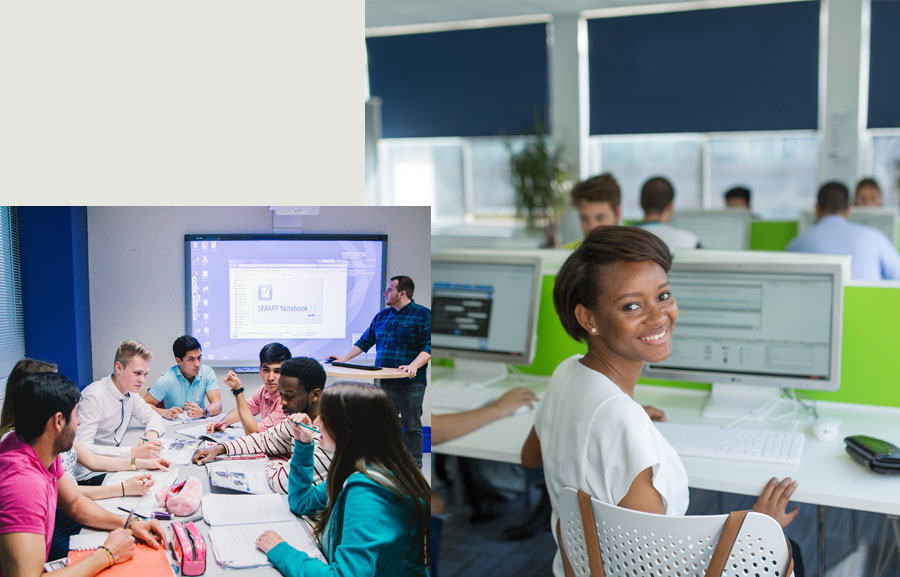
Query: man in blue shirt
{"points": [[402, 332], [872, 257], [186, 387]]}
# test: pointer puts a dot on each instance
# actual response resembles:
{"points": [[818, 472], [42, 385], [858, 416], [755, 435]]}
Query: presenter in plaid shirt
{"points": [[402, 332]]}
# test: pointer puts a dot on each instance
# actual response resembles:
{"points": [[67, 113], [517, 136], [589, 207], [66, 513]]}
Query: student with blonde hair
{"points": [[108, 405]]}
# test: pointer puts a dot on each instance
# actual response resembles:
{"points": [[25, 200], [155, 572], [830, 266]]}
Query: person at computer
{"points": [[658, 204], [402, 331], [300, 386], [613, 293], [32, 484], [187, 386], [108, 405], [868, 193], [737, 197], [265, 402], [598, 202], [872, 255], [373, 507]]}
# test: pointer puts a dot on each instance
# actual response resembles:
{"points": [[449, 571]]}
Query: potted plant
{"points": [[541, 184]]}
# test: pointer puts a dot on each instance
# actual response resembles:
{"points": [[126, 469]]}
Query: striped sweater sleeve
{"points": [[274, 442]]}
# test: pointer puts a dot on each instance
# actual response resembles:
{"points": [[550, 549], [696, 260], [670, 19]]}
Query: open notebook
{"points": [[235, 522]]}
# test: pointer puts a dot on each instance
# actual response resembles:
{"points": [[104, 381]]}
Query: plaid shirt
{"points": [[401, 336]]}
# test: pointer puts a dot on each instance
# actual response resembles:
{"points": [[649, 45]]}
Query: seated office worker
{"points": [[403, 334], [265, 402], [598, 202], [300, 386], [868, 193], [108, 405], [658, 204], [872, 257], [374, 505], [187, 386], [613, 293], [32, 484]]}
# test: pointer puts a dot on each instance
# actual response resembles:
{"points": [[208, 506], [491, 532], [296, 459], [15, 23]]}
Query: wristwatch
{"points": [[205, 411], [133, 464], [237, 392]]}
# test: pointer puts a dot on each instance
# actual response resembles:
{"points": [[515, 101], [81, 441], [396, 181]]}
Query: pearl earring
{"points": [[593, 330]]}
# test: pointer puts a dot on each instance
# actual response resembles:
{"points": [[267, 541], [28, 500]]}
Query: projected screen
{"points": [[316, 294]]}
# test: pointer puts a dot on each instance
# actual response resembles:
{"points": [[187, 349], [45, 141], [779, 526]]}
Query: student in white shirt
{"points": [[108, 405], [658, 204], [590, 434]]}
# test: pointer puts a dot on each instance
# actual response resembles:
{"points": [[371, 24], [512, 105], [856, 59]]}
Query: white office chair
{"points": [[601, 540]]}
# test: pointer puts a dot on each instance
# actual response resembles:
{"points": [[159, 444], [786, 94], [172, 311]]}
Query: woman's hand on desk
{"points": [[138, 485], [160, 463], [512, 400], [147, 449], [268, 540], [655, 414], [774, 500]]}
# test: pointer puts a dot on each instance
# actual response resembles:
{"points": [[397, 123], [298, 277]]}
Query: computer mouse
{"points": [[826, 430], [525, 408]]}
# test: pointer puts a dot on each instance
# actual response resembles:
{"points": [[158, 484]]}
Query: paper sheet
{"points": [[199, 431], [144, 505], [247, 476], [235, 545], [178, 451], [245, 509]]}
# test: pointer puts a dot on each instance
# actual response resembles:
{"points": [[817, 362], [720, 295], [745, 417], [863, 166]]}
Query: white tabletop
{"points": [[827, 475]]}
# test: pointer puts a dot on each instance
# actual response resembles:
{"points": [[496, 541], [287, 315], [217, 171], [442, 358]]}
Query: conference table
{"points": [[827, 475]]}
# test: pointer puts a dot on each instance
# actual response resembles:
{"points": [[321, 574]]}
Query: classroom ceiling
{"points": [[406, 12]]}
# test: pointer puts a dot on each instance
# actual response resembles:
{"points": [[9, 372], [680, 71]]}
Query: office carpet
{"points": [[479, 549]]}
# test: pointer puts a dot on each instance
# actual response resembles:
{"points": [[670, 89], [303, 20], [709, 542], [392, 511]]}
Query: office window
{"points": [[12, 328], [778, 167], [886, 164], [632, 160], [463, 179], [780, 170]]}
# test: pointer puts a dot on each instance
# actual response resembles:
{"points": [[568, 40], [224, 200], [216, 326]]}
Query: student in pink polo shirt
{"points": [[265, 402], [32, 484]]}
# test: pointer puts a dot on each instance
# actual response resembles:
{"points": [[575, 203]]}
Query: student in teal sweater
{"points": [[374, 504]]}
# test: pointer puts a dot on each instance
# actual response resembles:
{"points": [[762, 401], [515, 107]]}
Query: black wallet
{"points": [[875, 454]]}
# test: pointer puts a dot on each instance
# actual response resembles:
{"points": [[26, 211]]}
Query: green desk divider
{"points": [[871, 346], [771, 234]]}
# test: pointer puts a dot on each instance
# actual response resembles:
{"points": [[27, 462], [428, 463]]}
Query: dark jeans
{"points": [[63, 528], [408, 397]]}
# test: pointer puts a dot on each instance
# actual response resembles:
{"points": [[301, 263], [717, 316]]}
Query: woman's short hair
{"points": [[579, 281]]}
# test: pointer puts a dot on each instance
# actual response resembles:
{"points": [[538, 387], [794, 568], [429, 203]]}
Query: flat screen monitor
{"points": [[316, 294], [752, 328], [727, 229], [484, 307], [886, 220]]}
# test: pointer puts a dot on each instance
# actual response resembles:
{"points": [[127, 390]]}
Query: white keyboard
{"points": [[743, 444], [463, 398]]}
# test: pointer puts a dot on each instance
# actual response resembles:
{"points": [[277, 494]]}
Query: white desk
{"points": [[213, 569], [827, 474]]}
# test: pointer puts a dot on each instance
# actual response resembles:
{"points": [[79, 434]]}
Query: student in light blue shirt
{"points": [[872, 256], [186, 387]]}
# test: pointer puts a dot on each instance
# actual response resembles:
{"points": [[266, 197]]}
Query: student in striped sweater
{"points": [[300, 386]]}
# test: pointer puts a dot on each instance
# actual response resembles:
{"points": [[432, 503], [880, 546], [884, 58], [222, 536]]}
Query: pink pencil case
{"points": [[183, 498], [190, 549]]}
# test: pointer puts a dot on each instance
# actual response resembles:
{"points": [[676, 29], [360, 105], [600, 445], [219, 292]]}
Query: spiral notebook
{"points": [[237, 520], [147, 562]]}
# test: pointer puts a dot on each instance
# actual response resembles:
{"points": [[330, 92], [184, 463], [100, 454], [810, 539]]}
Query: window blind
{"points": [[12, 328]]}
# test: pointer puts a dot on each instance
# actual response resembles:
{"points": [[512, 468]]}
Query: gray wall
{"points": [[136, 263]]}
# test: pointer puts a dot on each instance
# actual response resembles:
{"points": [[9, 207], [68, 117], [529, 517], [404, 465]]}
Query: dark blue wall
{"points": [[53, 250], [483, 82], [884, 82], [724, 69]]}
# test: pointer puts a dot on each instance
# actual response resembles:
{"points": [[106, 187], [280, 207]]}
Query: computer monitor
{"points": [[754, 327], [727, 229], [314, 293], [886, 220], [484, 312]]}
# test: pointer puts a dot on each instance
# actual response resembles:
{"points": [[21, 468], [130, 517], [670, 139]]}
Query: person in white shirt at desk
{"points": [[613, 292], [108, 405], [658, 204]]}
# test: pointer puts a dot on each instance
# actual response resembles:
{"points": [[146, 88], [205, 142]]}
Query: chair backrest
{"points": [[634, 543]]}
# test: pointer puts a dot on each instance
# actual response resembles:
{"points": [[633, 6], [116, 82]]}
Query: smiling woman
{"points": [[613, 293]]}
